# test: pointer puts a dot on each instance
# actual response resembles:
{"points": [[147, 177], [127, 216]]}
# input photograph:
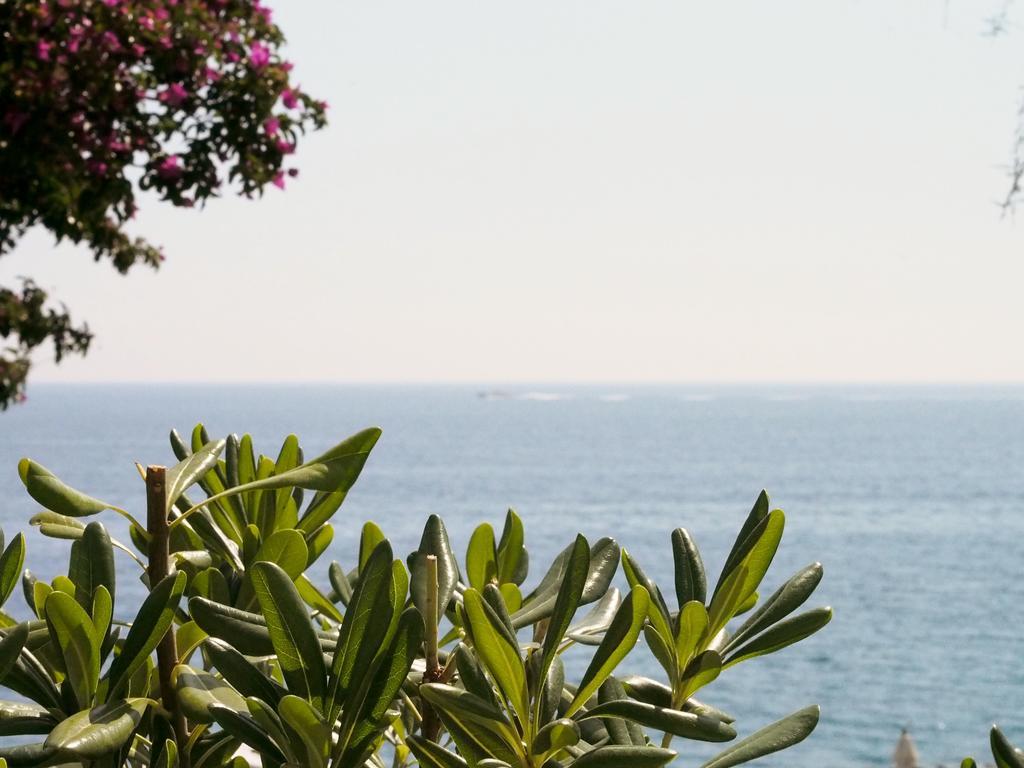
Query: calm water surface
{"points": [[912, 498]]}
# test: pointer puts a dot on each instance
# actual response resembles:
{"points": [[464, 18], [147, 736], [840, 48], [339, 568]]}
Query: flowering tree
{"points": [[101, 98]]}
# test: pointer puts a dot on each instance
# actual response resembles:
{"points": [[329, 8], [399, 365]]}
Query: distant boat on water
{"points": [[905, 755]]}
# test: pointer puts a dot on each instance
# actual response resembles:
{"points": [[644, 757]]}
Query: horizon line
{"points": [[499, 384]]}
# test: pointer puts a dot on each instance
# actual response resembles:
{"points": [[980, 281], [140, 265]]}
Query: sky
{"points": [[658, 191]]}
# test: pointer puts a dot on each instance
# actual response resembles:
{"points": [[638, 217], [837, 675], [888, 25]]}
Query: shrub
{"points": [[431, 662]]}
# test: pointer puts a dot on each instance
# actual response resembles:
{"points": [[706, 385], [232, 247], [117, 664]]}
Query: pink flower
{"points": [[170, 167], [259, 55], [43, 50], [175, 95], [110, 41], [271, 125], [285, 147], [98, 167], [289, 98], [111, 3], [278, 180]]}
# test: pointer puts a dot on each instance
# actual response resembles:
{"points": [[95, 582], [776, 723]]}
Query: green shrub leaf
{"points": [[788, 731]]}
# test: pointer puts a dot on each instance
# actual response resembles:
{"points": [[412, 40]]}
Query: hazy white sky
{"points": [[613, 191]]}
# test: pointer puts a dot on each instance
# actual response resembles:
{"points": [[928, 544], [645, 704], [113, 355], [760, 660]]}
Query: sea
{"points": [[911, 497]]}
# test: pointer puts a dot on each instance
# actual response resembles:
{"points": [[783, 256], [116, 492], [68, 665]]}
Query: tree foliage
{"points": [[431, 661], [100, 99]]}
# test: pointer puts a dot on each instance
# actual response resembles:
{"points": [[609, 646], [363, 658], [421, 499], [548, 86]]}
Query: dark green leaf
{"points": [[785, 633], [433, 542], [94, 733], [92, 564], [618, 642], [481, 558], [691, 582], [788, 731], [197, 691], [294, 639], [11, 563], [148, 629], [185, 473], [689, 726], [43, 486], [786, 599], [1005, 754], [241, 673], [623, 757]]}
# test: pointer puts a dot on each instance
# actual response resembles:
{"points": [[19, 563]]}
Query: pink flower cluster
{"points": [[165, 86]]}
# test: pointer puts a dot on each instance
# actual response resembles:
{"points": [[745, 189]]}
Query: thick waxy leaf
{"points": [[96, 732], [786, 599], [433, 542], [618, 641], [501, 657], [74, 635], [336, 470], [187, 472], [567, 600], [554, 737], [753, 558], [659, 614], [23, 673], [591, 628], [743, 539], [788, 731], [198, 691], [968, 762], [10, 648], [366, 624], [57, 526], [473, 713], [314, 735], [11, 563], [431, 755], [18, 718], [370, 537], [604, 562], [294, 639], [783, 634], [620, 757], [211, 584], [287, 549], [691, 582], [247, 730], [317, 600], [620, 731], [241, 673], [244, 630], [92, 564], [704, 669], [513, 561], [691, 632], [689, 726], [482, 558], [150, 626], [364, 720], [1006, 756], [43, 486]]}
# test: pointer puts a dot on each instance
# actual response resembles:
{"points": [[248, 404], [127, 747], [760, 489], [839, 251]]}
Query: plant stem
{"points": [[159, 568], [666, 741]]}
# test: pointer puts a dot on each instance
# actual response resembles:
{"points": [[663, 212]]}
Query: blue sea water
{"points": [[911, 497]]}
